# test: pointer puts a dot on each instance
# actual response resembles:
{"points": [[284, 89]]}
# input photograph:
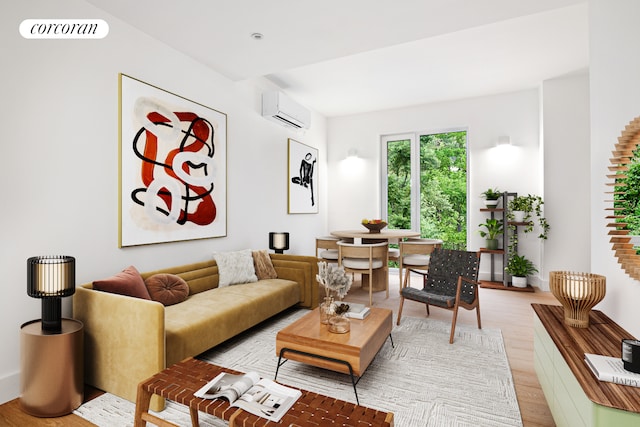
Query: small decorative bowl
{"points": [[375, 228]]}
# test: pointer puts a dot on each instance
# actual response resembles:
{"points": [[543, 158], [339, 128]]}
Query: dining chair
{"points": [[394, 255], [327, 248], [450, 283], [414, 256], [364, 259]]}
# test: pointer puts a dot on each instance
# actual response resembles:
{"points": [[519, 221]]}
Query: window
{"points": [[425, 184]]}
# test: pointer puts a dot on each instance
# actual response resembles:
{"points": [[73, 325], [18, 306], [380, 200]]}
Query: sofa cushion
{"points": [[235, 267], [200, 276], [263, 265], [127, 282], [209, 318], [167, 289]]}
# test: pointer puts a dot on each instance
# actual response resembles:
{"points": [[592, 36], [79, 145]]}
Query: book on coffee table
{"points": [[259, 396], [611, 369], [357, 311]]}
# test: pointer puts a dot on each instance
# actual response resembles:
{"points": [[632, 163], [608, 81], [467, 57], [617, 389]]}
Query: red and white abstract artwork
{"points": [[172, 167]]}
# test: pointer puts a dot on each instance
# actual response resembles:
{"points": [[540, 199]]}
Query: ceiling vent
{"points": [[278, 107]]}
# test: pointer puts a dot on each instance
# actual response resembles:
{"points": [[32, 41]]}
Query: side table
{"points": [[52, 381]]}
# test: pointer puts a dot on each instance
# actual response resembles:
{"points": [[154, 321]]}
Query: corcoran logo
{"points": [[64, 29]]}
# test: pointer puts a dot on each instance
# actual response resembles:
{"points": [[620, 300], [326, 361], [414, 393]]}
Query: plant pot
{"points": [[492, 244], [491, 204], [518, 216], [519, 282]]}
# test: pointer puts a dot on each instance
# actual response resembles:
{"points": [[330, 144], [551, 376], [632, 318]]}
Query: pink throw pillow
{"points": [[128, 282]]}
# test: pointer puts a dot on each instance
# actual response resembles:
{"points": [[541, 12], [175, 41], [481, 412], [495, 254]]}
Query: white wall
{"points": [[60, 159], [615, 101], [355, 188], [567, 157]]}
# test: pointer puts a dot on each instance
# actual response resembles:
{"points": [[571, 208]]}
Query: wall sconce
{"points": [[503, 140], [279, 241], [578, 293], [51, 278]]}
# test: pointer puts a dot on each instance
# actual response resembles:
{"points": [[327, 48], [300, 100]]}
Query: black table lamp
{"points": [[279, 241], [51, 278]]}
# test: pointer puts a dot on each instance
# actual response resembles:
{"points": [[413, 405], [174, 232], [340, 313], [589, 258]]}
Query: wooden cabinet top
{"points": [[603, 336]]}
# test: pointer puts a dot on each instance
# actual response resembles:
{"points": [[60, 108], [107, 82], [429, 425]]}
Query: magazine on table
{"points": [[611, 369], [261, 397]]}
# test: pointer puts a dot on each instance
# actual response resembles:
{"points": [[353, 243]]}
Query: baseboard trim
{"points": [[9, 387]]}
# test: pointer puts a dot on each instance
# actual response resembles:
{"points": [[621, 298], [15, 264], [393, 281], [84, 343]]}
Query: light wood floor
{"points": [[508, 310]]}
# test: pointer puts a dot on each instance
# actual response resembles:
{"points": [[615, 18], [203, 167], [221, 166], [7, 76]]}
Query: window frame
{"points": [[414, 138]]}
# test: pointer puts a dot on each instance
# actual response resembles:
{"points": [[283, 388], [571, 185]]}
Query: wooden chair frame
{"points": [[458, 301], [418, 247], [370, 252], [326, 243]]}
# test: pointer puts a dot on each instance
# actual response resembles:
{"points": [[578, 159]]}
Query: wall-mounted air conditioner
{"points": [[278, 107]]}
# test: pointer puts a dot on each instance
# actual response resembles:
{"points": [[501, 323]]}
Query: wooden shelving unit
{"points": [[504, 252]]}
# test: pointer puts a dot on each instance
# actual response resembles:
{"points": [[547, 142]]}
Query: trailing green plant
{"points": [[520, 266], [491, 194], [530, 205], [494, 227]]}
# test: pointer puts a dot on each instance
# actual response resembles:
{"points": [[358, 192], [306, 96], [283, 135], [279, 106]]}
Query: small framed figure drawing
{"points": [[302, 178]]}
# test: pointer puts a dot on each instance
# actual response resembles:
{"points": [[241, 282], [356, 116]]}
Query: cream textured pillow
{"points": [[235, 267]]}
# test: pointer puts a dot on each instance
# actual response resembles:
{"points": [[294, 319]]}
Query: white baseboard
{"points": [[9, 387]]}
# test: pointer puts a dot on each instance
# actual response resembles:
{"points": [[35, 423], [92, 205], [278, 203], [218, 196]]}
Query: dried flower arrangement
{"points": [[334, 279]]}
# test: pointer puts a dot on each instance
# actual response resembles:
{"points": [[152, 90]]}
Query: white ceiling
{"points": [[343, 57]]}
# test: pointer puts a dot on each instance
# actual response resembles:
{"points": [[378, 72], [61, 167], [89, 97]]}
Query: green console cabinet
{"points": [[574, 395]]}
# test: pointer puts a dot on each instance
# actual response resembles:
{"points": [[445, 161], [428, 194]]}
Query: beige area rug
{"points": [[423, 380]]}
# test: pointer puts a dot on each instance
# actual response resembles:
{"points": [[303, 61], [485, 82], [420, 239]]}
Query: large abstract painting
{"points": [[303, 178], [172, 167]]}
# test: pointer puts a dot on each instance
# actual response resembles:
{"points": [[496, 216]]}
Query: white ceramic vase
{"points": [[519, 282], [491, 204], [518, 216]]}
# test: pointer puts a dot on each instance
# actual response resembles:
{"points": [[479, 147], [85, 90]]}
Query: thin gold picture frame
{"points": [[172, 153]]}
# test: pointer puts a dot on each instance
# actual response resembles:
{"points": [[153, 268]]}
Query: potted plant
{"points": [[521, 209], [494, 228], [520, 267], [492, 197]]}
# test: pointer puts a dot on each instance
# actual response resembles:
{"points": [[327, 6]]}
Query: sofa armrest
{"points": [[124, 340], [301, 269]]}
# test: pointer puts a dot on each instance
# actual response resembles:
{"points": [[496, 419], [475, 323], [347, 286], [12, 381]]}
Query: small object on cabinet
{"points": [[611, 369]]}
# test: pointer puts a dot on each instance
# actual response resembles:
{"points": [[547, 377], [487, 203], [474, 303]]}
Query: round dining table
{"points": [[380, 277], [384, 234]]}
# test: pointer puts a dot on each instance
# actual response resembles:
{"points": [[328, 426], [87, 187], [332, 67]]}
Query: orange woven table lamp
{"points": [[578, 293]]}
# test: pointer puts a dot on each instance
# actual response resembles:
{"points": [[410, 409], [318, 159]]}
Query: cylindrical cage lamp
{"points": [[51, 278], [279, 241], [578, 293]]}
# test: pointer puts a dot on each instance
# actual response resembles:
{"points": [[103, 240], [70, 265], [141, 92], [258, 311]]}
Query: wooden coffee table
{"points": [[308, 341], [180, 381]]}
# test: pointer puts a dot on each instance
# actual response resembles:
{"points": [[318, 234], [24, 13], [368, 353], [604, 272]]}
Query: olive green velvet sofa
{"points": [[127, 339]]}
